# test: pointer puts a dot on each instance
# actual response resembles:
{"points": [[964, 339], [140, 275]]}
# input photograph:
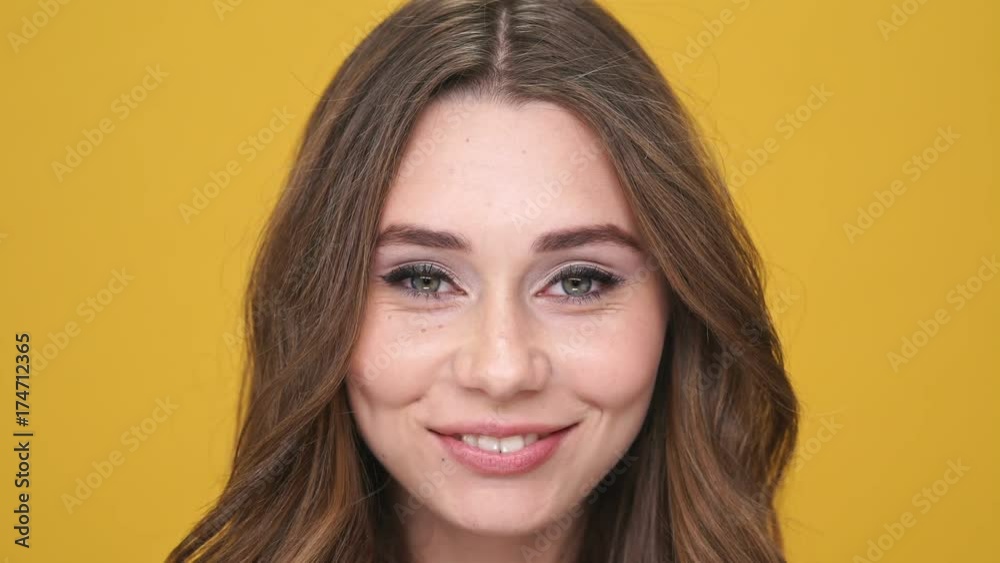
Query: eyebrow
{"points": [[562, 239]]}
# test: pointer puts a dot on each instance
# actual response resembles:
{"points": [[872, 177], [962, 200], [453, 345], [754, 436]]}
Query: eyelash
{"points": [[606, 279]]}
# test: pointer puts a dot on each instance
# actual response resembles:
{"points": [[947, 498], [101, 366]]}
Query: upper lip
{"points": [[498, 429]]}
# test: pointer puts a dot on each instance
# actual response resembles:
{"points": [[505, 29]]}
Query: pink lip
{"points": [[493, 463], [497, 429]]}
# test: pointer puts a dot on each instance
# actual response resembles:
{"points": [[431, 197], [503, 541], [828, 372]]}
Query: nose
{"points": [[502, 357]]}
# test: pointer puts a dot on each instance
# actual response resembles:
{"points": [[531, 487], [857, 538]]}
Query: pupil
{"points": [[575, 286], [427, 282]]}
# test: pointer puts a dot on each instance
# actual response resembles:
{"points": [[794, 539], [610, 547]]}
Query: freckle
{"points": [[466, 139], [440, 326], [423, 330], [523, 151]]}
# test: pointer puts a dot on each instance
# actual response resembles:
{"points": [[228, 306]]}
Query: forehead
{"points": [[480, 166]]}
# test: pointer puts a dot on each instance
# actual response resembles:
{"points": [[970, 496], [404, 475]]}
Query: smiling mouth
{"points": [[508, 444]]}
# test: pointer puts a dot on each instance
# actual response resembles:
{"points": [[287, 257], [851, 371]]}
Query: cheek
{"points": [[391, 368], [616, 369], [393, 361]]}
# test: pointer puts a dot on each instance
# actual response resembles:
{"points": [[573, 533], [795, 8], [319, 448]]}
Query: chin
{"points": [[500, 511], [499, 519]]}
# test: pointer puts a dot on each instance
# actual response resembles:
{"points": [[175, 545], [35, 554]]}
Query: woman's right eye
{"points": [[420, 280]]}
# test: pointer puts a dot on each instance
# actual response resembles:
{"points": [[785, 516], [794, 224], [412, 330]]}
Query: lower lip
{"points": [[524, 460]]}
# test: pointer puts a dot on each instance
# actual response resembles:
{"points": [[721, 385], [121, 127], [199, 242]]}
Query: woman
{"points": [[505, 311]]}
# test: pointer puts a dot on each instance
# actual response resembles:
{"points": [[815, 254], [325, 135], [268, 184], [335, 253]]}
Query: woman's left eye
{"points": [[577, 283]]}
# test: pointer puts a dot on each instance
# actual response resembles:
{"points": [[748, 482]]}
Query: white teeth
{"points": [[489, 444], [511, 444], [506, 445]]}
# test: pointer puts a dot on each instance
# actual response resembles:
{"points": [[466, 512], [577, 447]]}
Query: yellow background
{"points": [[173, 334]]}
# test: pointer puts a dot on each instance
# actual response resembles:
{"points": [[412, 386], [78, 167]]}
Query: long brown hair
{"points": [[721, 429]]}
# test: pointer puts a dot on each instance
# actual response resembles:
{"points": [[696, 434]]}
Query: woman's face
{"points": [[509, 310]]}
